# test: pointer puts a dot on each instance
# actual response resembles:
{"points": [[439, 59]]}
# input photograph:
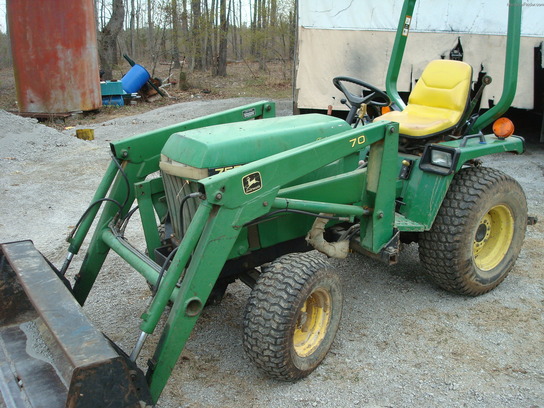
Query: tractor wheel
{"points": [[292, 316], [478, 232]]}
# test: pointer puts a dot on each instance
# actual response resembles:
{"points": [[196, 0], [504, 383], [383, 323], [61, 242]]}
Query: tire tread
{"points": [[269, 312], [441, 246]]}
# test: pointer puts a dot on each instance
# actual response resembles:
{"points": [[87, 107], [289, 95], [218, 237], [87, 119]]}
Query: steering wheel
{"points": [[377, 97]]}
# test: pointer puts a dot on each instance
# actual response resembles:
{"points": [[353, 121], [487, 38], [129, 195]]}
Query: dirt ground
{"points": [[244, 79], [402, 342]]}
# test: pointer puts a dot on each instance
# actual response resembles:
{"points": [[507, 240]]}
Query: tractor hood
{"points": [[207, 151]]}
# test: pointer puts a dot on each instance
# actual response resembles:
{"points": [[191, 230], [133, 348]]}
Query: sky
{"points": [[3, 16]]}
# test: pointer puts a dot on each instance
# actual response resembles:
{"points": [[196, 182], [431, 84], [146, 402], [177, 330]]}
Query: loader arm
{"points": [[138, 156], [75, 365], [226, 205]]}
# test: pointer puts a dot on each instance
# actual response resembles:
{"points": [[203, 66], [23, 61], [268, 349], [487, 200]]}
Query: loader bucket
{"points": [[50, 353]]}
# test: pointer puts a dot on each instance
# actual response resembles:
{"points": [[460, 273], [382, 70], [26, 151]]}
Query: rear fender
{"points": [[488, 144], [422, 194]]}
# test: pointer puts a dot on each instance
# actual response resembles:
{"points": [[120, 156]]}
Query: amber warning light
{"points": [[503, 127], [386, 109]]}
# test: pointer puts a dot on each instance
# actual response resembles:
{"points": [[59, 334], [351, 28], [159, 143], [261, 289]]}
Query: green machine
{"points": [[245, 195]]}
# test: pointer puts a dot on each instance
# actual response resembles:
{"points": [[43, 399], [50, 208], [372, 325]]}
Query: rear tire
{"points": [[292, 316], [478, 232]]}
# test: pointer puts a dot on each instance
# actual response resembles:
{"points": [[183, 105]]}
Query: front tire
{"points": [[292, 316], [478, 232]]}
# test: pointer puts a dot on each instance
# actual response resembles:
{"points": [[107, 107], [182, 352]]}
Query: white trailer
{"points": [[355, 38]]}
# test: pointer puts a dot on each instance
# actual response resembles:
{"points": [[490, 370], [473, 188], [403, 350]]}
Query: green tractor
{"points": [[245, 195]]}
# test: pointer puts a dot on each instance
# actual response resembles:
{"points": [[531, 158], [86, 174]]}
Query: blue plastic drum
{"points": [[135, 79]]}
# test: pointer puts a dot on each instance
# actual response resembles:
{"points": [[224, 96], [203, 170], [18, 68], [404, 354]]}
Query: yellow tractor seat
{"points": [[437, 102]]}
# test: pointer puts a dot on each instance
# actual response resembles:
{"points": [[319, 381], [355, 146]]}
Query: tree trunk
{"points": [[254, 19], [292, 33], [132, 20], [175, 34], [240, 37], [222, 58], [196, 43], [273, 27], [184, 22], [6, 59], [102, 14], [150, 44], [108, 39], [263, 41], [208, 37], [234, 24]]}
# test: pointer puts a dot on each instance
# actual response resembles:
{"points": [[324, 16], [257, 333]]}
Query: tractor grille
{"points": [[176, 188]]}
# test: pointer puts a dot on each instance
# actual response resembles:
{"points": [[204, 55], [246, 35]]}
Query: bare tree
{"points": [[150, 28], [254, 22], [184, 19], [175, 34], [6, 59], [233, 24], [207, 32], [208, 37], [108, 39], [241, 44], [196, 37], [132, 47], [223, 33]]}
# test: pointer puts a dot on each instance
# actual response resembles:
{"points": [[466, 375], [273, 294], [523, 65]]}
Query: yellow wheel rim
{"points": [[312, 322], [493, 237]]}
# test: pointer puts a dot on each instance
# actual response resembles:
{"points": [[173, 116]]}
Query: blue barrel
{"points": [[135, 79], [113, 100]]}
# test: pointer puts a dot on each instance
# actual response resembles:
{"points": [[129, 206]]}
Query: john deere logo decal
{"points": [[252, 182]]}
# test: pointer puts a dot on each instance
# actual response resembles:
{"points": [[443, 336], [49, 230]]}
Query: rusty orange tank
{"points": [[55, 55]]}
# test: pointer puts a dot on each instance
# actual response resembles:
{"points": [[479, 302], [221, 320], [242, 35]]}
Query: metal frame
{"points": [[511, 62]]}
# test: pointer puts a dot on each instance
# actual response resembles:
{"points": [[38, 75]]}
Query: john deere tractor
{"points": [[245, 195]]}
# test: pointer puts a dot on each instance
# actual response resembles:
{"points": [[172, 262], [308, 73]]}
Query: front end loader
{"points": [[246, 195]]}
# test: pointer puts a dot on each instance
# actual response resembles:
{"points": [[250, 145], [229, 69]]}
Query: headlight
{"points": [[439, 159]]}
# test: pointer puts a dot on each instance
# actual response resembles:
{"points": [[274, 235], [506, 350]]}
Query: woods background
{"points": [[193, 35]]}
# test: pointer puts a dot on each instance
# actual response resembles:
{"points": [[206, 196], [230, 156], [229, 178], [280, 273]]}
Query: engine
{"points": [[196, 154]]}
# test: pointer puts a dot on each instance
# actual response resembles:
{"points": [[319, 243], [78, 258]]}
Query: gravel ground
{"points": [[402, 342]]}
